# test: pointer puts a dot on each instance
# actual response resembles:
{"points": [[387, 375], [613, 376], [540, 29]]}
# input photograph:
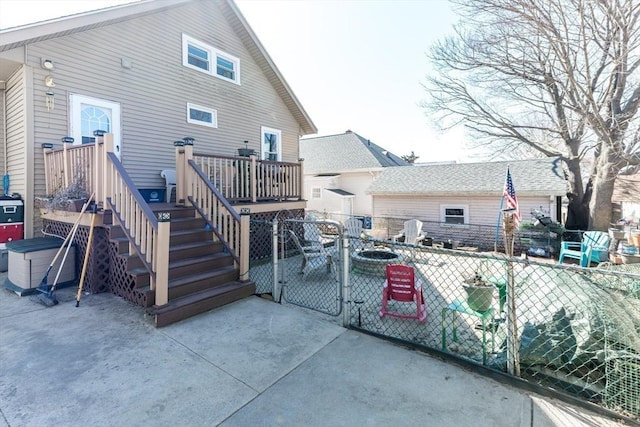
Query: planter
{"points": [[479, 298]]}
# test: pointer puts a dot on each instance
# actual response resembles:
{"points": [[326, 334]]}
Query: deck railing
{"points": [[68, 165], [207, 182], [246, 179]]}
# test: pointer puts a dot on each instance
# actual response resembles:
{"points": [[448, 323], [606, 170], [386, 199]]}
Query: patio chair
{"points": [[401, 285], [594, 247], [169, 176], [314, 237], [356, 234], [312, 256], [412, 232]]}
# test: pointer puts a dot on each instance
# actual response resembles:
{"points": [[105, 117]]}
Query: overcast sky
{"points": [[355, 64]]}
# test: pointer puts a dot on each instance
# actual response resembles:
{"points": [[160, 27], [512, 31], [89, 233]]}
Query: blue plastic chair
{"points": [[594, 247]]}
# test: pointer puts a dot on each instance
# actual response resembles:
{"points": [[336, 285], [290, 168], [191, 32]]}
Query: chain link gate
{"points": [[310, 264]]}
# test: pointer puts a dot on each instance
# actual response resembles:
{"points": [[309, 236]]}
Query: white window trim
{"points": [[443, 209], [265, 129], [319, 189], [214, 115], [213, 58]]}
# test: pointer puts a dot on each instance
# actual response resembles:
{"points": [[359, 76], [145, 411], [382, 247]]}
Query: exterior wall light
{"points": [[47, 64]]}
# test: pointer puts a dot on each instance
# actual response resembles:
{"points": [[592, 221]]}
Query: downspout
{"points": [[4, 123]]}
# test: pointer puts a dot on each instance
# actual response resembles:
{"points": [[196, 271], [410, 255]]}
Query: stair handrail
{"points": [[226, 225], [147, 234]]}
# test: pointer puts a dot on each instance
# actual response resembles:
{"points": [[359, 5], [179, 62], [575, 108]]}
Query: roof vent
{"points": [[348, 131], [385, 153], [368, 142]]}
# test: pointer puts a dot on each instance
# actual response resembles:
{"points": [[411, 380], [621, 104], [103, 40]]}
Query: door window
{"points": [[271, 144], [91, 114]]}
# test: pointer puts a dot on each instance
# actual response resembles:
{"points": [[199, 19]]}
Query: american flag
{"points": [[510, 196]]}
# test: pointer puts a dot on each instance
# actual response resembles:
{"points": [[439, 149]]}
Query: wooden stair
{"points": [[202, 276]]}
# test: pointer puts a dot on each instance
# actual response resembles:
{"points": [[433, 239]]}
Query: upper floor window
{"points": [[202, 115], [316, 192], [271, 144], [203, 57], [457, 214]]}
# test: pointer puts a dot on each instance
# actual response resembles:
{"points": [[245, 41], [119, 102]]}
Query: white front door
{"points": [[89, 114]]}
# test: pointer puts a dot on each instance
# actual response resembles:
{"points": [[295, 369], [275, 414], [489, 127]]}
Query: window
{"points": [[316, 193], [271, 144], [202, 116], [457, 214], [200, 56]]}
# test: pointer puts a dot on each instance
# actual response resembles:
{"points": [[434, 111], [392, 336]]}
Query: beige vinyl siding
{"points": [[153, 94], [481, 210], [16, 133], [3, 98]]}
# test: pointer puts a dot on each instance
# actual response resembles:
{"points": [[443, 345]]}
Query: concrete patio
{"points": [[252, 362]]}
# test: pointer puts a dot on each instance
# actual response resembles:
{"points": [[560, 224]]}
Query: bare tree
{"points": [[556, 77], [410, 158]]}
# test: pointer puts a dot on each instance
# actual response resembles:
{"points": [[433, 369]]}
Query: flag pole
{"points": [[495, 240]]}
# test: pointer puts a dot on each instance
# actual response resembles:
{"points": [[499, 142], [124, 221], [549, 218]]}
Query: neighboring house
{"points": [[626, 198], [339, 168], [151, 73], [467, 193]]}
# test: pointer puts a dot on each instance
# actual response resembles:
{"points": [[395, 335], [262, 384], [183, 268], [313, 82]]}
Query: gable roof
{"points": [[12, 38], [346, 152], [536, 177]]}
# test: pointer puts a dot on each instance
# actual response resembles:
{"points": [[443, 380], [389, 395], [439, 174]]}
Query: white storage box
{"points": [[29, 260]]}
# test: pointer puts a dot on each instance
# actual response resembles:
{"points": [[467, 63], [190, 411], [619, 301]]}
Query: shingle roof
{"points": [[340, 192], [537, 177], [345, 152]]}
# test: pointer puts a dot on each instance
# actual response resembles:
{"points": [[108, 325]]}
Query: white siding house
{"points": [[338, 170], [467, 193]]}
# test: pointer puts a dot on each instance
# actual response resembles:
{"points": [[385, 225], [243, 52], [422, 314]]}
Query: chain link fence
{"points": [[535, 240], [562, 327]]}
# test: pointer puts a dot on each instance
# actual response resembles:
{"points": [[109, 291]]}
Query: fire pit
{"points": [[374, 261]]}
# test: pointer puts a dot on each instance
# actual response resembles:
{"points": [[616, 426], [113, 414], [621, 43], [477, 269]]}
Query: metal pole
{"points": [[346, 286], [513, 356], [277, 287]]}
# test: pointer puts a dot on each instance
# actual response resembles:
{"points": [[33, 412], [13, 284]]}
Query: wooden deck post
{"points": [[179, 147], [245, 217], [98, 166], [300, 183], [253, 179], [162, 259], [46, 150], [67, 141], [107, 189], [188, 155]]}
